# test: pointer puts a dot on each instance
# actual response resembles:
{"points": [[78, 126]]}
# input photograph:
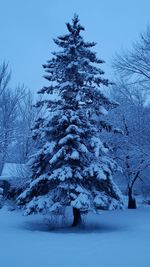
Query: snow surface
{"points": [[111, 239]]}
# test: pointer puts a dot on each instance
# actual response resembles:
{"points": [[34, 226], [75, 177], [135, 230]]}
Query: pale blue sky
{"points": [[28, 26]]}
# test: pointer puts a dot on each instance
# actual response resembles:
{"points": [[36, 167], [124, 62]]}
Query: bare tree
{"points": [[132, 91], [26, 116], [131, 150], [135, 64], [9, 102], [5, 75]]}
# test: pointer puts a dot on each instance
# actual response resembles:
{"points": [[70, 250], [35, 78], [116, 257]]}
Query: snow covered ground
{"points": [[111, 239]]}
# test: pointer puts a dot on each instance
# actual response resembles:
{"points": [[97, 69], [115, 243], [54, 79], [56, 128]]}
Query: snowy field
{"points": [[111, 239]]}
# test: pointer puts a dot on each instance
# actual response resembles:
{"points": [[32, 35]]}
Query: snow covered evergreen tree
{"points": [[71, 166]]}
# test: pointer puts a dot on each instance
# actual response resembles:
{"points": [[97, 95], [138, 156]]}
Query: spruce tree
{"points": [[72, 166]]}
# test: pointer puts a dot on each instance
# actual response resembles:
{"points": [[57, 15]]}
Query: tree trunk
{"points": [[76, 217], [131, 199]]}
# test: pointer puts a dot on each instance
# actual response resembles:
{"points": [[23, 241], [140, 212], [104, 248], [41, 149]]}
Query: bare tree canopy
{"points": [[16, 116], [135, 64]]}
